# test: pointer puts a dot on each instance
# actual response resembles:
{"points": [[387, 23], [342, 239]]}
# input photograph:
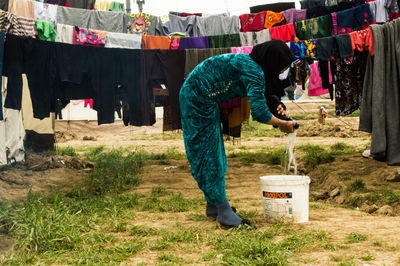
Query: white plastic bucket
{"points": [[285, 196]]}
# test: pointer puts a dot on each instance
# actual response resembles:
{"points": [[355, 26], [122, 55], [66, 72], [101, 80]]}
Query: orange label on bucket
{"points": [[277, 195]]}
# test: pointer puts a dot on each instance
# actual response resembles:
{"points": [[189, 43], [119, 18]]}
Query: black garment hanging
{"points": [[275, 7]]}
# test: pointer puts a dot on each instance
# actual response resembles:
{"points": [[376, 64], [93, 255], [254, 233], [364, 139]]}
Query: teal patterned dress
{"points": [[217, 79]]}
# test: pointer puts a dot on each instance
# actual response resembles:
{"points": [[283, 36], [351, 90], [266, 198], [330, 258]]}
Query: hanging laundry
{"points": [[141, 23], [194, 43], [363, 41], [272, 18], [349, 83], [320, 11], [175, 43], [88, 19], [88, 103], [9, 23], [26, 26], [22, 8], [4, 5], [55, 2], [298, 49], [89, 37], [254, 38], [217, 25], [338, 46], [315, 87], [307, 4], [46, 12], [102, 5], [173, 65], [123, 40], [224, 41], [117, 7], [64, 33], [285, 33], [2, 35], [380, 109], [275, 7], [314, 28], [185, 25], [292, 15], [45, 30], [156, 42], [184, 14], [242, 50], [83, 4], [311, 48], [196, 56], [334, 24], [252, 22], [356, 18], [381, 13]]}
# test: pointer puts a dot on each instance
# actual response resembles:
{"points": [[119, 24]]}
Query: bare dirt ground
{"points": [[333, 207]]}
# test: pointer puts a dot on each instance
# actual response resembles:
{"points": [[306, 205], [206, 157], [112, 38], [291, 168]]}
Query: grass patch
{"points": [[356, 185], [273, 157], [69, 151], [318, 207], [142, 231], [355, 237], [344, 177], [315, 155], [175, 203], [256, 129], [367, 257]]}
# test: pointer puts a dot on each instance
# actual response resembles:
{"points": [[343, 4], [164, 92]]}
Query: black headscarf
{"points": [[273, 57]]}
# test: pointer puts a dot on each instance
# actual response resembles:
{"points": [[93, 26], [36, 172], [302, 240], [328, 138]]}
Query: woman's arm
{"points": [[284, 126]]}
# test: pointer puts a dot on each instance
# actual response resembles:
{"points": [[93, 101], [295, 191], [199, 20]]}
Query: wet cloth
{"points": [[194, 43], [217, 25], [64, 33], [123, 40], [22, 8], [185, 25], [26, 26], [45, 30], [117, 7], [224, 41], [349, 83], [380, 104], [252, 22], [9, 23], [89, 37], [46, 12], [91, 19], [83, 4], [315, 87], [254, 38], [140, 23], [4, 5], [2, 34], [102, 5], [362, 40], [272, 18], [356, 18], [293, 15], [314, 28], [338, 46], [285, 33], [156, 42], [196, 56], [217, 79]]}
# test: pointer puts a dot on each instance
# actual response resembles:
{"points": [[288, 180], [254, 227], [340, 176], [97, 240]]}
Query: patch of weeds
{"points": [[140, 230], [208, 256], [248, 214], [93, 152], [160, 245], [113, 172], [347, 263], [69, 151], [175, 203], [356, 113], [344, 177], [316, 155], [368, 257], [318, 207], [355, 237], [345, 159], [391, 197], [339, 146], [121, 226], [197, 217], [166, 257], [274, 157], [159, 191], [183, 235], [377, 243], [354, 201], [372, 197], [356, 185]]}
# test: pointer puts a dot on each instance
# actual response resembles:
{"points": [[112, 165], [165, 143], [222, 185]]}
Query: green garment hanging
{"points": [[45, 30]]}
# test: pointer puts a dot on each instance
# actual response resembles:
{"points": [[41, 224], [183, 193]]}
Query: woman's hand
{"points": [[280, 110], [286, 126]]}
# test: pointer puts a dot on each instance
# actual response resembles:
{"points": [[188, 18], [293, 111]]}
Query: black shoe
{"points": [[245, 224], [213, 217]]}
